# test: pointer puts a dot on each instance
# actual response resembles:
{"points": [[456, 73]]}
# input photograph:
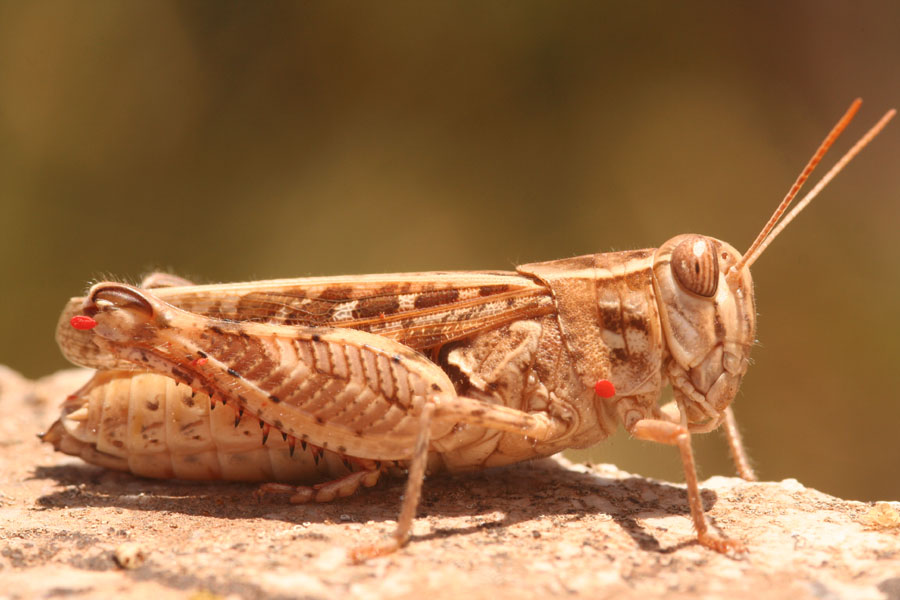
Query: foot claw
{"points": [[361, 554], [722, 545]]}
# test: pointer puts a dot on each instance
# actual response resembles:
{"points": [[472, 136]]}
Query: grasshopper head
{"points": [[705, 296], [709, 322]]}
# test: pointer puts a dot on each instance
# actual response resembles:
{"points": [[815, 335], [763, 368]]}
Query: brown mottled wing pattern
{"points": [[419, 310]]}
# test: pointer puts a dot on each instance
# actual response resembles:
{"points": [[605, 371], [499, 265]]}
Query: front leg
{"points": [[674, 434], [670, 412]]}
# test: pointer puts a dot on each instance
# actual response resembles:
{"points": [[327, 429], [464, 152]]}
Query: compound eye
{"points": [[696, 266]]}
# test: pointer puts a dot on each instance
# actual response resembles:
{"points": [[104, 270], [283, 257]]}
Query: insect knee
{"points": [[117, 309], [112, 296]]}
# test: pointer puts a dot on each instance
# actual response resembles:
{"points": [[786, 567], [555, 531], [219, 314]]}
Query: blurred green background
{"points": [[235, 140]]}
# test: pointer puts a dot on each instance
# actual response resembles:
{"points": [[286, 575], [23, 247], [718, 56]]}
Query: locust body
{"points": [[455, 371], [540, 355]]}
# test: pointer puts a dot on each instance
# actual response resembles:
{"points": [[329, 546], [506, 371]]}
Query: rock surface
{"points": [[535, 530]]}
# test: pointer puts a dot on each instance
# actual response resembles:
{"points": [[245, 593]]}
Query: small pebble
{"points": [[130, 555]]}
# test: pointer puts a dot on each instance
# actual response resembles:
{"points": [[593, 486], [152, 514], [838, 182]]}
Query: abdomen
{"points": [[154, 427]]}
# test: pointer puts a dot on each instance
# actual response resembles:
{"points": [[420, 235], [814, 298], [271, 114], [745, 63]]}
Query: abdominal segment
{"points": [[152, 426]]}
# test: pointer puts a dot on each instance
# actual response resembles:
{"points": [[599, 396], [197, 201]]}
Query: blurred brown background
{"points": [[234, 140]]}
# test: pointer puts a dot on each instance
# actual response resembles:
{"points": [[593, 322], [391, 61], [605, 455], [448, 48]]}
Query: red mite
{"points": [[82, 322], [605, 388]]}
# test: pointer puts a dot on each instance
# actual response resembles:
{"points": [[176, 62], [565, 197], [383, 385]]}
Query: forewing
{"points": [[419, 310]]}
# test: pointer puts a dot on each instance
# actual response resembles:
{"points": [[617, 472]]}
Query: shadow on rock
{"points": [[521, 492]]}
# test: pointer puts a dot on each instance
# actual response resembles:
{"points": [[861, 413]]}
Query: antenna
{"points": [[838, 166], [770, 231]]}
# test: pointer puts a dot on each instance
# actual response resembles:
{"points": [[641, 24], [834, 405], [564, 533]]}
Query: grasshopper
{"points": [[421, 371]]}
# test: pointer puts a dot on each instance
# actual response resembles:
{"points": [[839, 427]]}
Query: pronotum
{"points": [[329, 382]]}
